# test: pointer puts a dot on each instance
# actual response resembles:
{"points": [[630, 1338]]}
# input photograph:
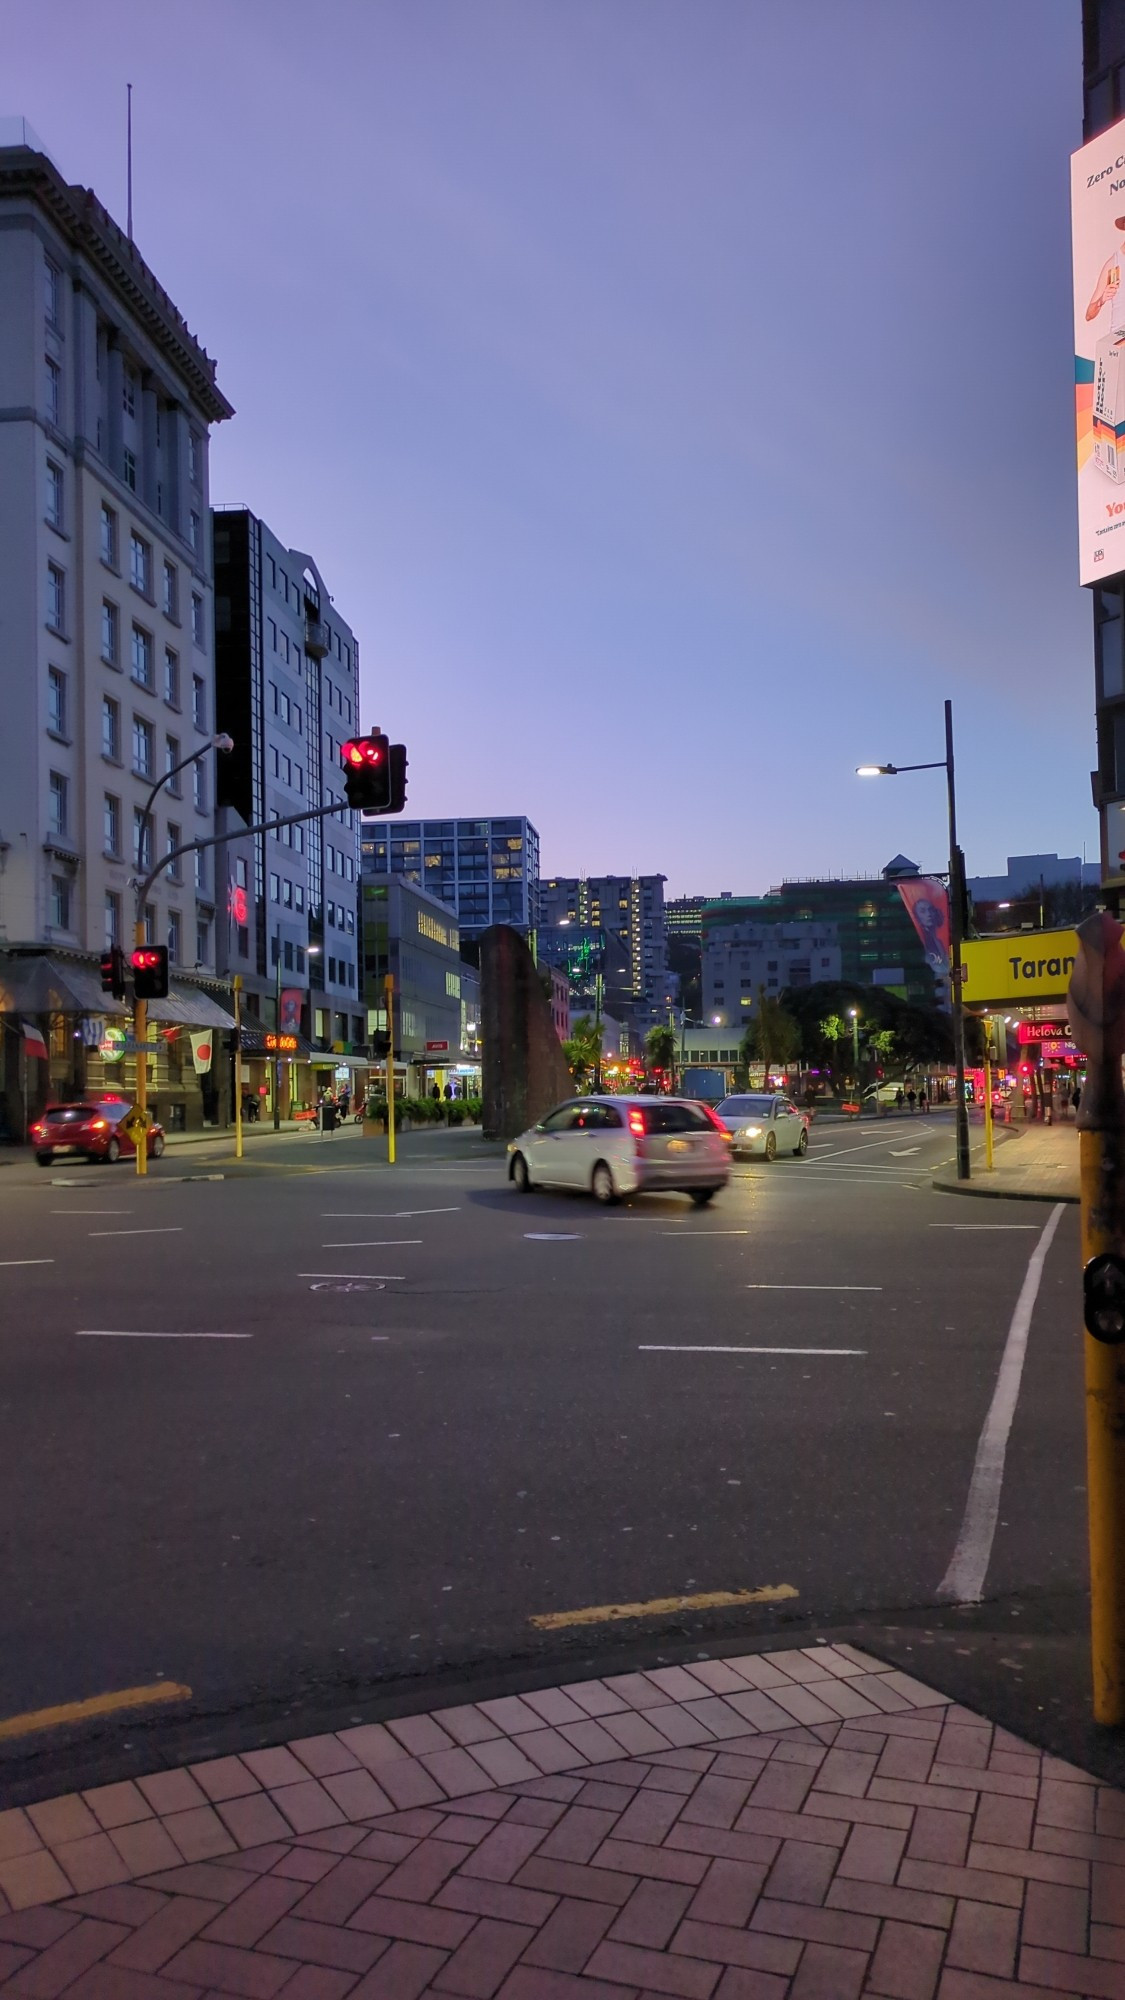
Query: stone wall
{"points": [[524, 1069]]}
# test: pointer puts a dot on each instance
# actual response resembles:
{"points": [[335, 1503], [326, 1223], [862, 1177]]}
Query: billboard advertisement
{"points": [[927, 904], [1097, 214]]}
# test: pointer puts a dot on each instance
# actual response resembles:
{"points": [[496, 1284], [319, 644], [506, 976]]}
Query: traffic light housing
{"points": [[375, 773], [150, 972], [113, 971]]}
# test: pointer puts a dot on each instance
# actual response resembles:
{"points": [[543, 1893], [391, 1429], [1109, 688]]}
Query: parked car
{"points": [[92, 1129], [612, 1146], [766, 1124]]}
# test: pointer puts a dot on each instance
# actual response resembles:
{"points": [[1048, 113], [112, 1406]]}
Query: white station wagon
{"points": [[612, 1146]]}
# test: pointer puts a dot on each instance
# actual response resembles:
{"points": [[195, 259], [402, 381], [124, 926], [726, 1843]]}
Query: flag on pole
{"points": [[34, 1045]]}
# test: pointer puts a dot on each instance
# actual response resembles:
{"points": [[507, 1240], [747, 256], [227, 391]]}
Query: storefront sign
{"points": [[1040, 1031], [282, 1045], [1024, 966], [437, 1048], [112, 1045]]}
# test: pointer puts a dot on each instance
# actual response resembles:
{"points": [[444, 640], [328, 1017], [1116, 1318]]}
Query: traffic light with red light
{"points": [[150, 972], [113, 971], [375, 773]]}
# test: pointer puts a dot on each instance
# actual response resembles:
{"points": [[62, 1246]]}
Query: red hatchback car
{"points": [[92, 1129]]}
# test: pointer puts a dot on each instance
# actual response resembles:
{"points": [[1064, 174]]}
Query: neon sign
{"points": [[284, 1044]]}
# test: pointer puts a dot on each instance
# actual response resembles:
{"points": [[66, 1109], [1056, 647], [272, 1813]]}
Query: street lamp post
{"points": [[956, 927], [853, 1013]]}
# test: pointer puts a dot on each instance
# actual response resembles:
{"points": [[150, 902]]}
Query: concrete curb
{"points": [[1002, 1193]]}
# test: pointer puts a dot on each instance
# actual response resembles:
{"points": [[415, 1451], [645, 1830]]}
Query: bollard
{"points": [[1096, 1002]]}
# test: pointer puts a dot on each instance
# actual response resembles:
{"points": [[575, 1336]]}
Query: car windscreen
{"points": [[70, 1114], [745, 1107]]}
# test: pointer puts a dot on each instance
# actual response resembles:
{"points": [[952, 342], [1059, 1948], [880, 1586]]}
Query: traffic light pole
{"points": [[140, 1037], [389, 990]]}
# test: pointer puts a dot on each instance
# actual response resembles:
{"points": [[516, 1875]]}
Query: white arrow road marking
{"points": [[963, 1582], [904, 1152]]}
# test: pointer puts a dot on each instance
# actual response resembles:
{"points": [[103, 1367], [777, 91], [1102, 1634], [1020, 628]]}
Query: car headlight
{"points": [[750, 1132]]}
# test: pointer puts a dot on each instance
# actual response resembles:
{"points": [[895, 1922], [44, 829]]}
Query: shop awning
{"points": [[40, 983], [188, 1007]]}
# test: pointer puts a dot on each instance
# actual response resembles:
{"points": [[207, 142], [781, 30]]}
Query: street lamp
{"points": [[956, 903], [853, 1015]]}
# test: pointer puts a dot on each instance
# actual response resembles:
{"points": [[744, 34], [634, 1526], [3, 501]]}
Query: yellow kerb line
{"points": [[708, 1600], [95, 1704]]}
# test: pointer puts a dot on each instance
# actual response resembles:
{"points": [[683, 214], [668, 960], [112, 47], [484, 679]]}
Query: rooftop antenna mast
{"points": [[129, 158]]}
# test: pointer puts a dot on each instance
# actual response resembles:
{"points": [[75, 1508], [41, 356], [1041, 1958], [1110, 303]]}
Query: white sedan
{"points": [[611, 1146], [764, 1124]]}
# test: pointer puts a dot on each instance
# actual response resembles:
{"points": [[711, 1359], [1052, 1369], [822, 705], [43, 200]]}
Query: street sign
{"points": [[135, 1124], [437, 1048]]}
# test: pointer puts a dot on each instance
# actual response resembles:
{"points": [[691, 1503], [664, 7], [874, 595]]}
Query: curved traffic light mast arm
{"points": [[236, 833], [220, 742]]}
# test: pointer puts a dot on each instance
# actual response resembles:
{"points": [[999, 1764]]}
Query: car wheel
{"points": [[157, 1146], [112, 1152], [44, 1159], [601, 1185], [802, 1145], [701, 1196], [771, 1145], [520, 1176]]}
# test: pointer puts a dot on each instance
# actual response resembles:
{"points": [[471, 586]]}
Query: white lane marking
{"points": [[173, 1230], [148, 1333], [551, 1236], [684, 1230], [380, 1215], [10, 1263], [963, 1581], [868, 1146], [91, 1211], [814, 1288], [750, 1350], [904, 1152], [984, 1225], [376, 1243], [394, 1277]]}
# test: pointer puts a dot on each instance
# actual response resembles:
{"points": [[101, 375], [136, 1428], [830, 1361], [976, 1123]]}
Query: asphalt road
{"points": [[406, 1413]]}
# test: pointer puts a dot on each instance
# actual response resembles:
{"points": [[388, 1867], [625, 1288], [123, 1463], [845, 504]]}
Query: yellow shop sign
{"points": [[1023, 966]]}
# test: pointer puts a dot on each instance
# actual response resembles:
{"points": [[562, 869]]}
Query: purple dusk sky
{"points": [[675, 394]]}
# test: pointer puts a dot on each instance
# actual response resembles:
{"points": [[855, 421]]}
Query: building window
{"points": [[129, 392], [243, 935], [56, 701], [202, 942], [199, 702], [200, 872], [140, 565], [171, 759], [129, 469], [275, 888], [193, 530], [199, 786], [171, 591], [111, 825], [197, 631], [54, 392], [108, 536], [142, 658], [56, 598], [111, 633], [112, 917], [171, 677], [54, 494], [57, 802], [60, 903], [142, 747], [52, 293], [193, 457], [175, 937], [142, 839], [111, 728], [175, 839]]}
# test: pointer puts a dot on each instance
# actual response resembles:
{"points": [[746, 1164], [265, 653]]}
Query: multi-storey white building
{"points": [[742, 960], [105, 615]]}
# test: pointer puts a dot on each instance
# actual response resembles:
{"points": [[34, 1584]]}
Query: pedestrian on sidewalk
{"points": [[899, 1099], [923, 1100], [910, 1099]]}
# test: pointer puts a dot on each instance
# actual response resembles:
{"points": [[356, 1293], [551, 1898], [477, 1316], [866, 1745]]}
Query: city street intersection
{"points": [[332, 1433]]}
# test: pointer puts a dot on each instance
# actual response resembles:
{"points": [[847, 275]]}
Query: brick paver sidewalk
{"points": [[805, 1823], [1033, 1162]]}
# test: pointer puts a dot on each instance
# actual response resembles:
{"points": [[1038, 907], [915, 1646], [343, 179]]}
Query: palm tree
{"points": [[660, 1049]]}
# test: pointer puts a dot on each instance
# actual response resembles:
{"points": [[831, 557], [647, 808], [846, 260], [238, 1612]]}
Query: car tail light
{"points": [[714, 1118], [637, 1128], [99, 1125], [37, 1131]]}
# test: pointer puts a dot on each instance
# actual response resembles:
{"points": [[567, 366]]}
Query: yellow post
{"points": [[140, 1037], [237, 985], [389, 990], [1097, 1023], [987, 1092]]}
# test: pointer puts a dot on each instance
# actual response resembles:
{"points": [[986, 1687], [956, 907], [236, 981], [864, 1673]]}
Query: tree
{"points": [[660, 1048], [583, 1049], [773, 1036]]}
